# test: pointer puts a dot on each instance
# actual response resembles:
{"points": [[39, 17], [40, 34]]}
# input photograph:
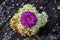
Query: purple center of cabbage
{"points": [[28, 19]]}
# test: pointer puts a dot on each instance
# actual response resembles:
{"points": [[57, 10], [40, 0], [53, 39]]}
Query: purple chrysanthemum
{"points": [[28, 19]]}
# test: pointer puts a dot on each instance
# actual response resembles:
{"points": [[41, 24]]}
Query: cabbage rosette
{"points": [[28, 20]]}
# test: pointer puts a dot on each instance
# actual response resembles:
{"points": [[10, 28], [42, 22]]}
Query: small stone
{"points": [[58, 7], [41, 7]]}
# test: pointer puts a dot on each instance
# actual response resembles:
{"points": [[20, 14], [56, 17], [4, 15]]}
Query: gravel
{"points": [[51, 31]]}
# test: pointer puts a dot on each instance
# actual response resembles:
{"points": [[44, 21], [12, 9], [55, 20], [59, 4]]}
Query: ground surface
{"points": [[50, 32]]}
